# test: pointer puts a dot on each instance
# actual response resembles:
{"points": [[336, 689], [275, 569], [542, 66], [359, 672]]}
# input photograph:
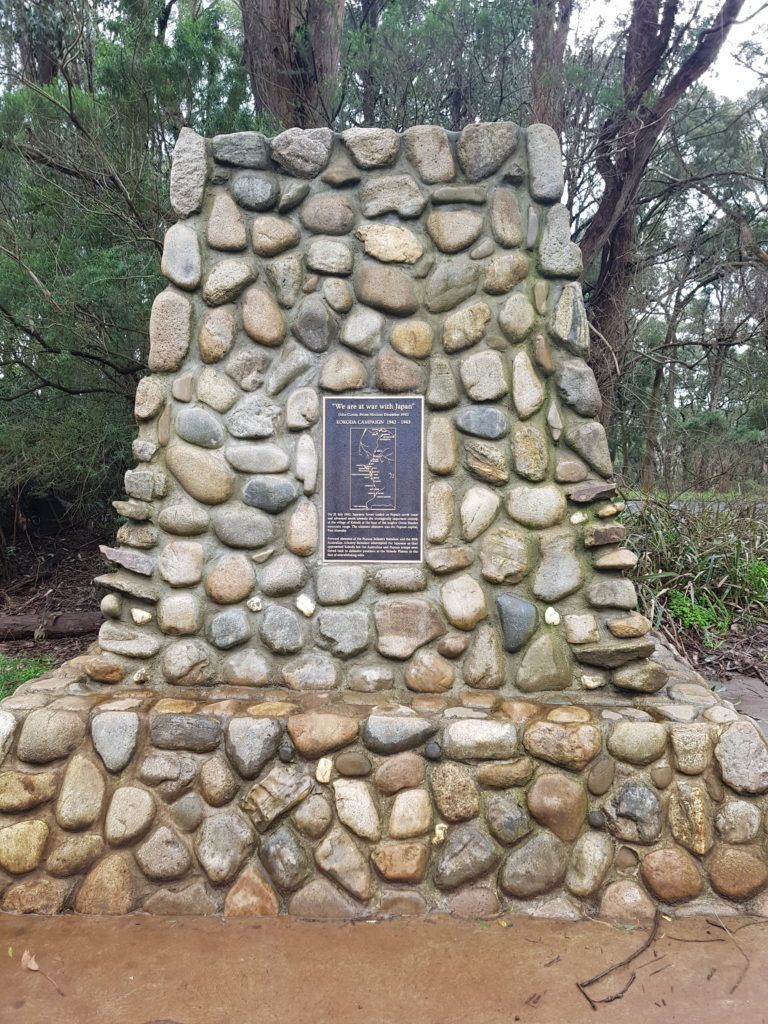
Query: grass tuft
{"points": [[18, 669]]}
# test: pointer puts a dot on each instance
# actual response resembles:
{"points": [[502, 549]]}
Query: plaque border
{"points": [[422, 520]]}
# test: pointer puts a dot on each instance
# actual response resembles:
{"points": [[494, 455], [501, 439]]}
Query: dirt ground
{"points": [[141, 970]]}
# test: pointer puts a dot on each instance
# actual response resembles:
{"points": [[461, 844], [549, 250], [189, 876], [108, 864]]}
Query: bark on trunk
{"points": [[57, 624], [549, 33]]}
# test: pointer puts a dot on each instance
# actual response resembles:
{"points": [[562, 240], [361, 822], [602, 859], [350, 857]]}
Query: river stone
{"points": [[315, 734], [81, 795], [671, 875], [482, 421], [225, 280], [108, 888], [225, 229], [188, 173], [185, 732], [356, 808], [466, 327], [411, 814], [545, 165], [218, 783], [442, 390], [590, 862], [518, 619], [637, 742], [559, 572], [262, 319], [516, 320], [484, 667], [338, 856], [322, 901], [328, 213], [454, 230], [254, 191], [570, 745], [737, 874], [455, 792], [169, 331], [391, 193], [302, 151], [690, 816], [559, 803], [502, 273], [362, 330], [187, 663], [214, 390], [48, 735], [282, 575], [577, 386], [507, 820], [285, 859], [449, 284], [390, 243], [391, 734], [241, 149], [204, 475], [640, 677], [21, 791], [344, 632], [558, 255], [243, 527], [635, 814], [613, 593], [22, 846], [428, 672], [466, 855], [506, 222], [545, 665], [281, 630], [246, 668], [228, 628], [738, 821], [530, 452], [537, 507], [342, 372], [535, 867], [478, 510], [250, 743], [483, 376], [385, 288], [428, 148], [129, 816], [463, 602], [743, 758], [272, 235], [74, 855], [483, 147], [475, 739], [163, 856], [372, 147], [405, 624], [270, 493], [181, 262], [398, 772], [223, 843]]}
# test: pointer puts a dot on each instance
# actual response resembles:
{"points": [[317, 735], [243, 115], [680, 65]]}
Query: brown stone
{"points": [[385, 288], [474, 903], [737, 874], [230, 580], [395, 373], [428, 672], [403, 771], [455, 792], [559, 803], [405, 624], [401, 862], [262, 319], [20, 791], [315, 734], [671, 875], [626, 902], [412, 338], [503, 774], [36, 896], [251, 896], [108, 888], [572, 745], [272, 235]]}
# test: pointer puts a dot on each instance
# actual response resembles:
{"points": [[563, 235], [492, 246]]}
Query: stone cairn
{"points": [[489, 729]]}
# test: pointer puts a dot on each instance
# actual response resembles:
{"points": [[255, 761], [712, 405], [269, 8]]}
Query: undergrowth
{"points": [[18, 669], [702, 568]]}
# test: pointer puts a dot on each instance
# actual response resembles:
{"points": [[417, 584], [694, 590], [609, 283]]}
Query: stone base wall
{"points": [[114, 801]]}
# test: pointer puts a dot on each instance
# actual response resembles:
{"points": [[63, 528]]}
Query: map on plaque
{"points": [[372, 478]]}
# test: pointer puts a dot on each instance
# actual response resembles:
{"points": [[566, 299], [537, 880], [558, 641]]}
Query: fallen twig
{"points": [[582, 986]]}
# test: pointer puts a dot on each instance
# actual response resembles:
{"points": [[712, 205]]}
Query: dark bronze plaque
{"points": [[372, 478]]}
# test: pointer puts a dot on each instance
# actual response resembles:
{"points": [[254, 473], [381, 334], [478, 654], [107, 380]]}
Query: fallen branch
{"points": [[582, 986], [54, 624]]}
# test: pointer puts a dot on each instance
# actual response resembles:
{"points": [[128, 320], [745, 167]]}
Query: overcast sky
{"points": [[727, 77]]}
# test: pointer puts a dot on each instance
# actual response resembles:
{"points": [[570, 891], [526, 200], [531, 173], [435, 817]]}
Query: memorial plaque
{"points": [[372, 478]]}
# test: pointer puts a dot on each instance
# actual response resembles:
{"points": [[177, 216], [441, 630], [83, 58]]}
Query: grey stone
{"points": [[181, 261], [339, 584], [322, 901], [163, 856], [292, 361], [391, 193], [48, 735], [635, 814], [243, 527], [474, 739], [255, 191], [246, 668], [530, 452], [257, 458], [200, 427], [482, 421], [251, 742], [131, 812], [588, 440], [516, 318], [372, 147], [449, 284], [188, 173], [185, 732], [391, 734], [285, 859], [132, 643], [223, 844], [568, 322], [248, 367], [282, 575], [315, 326], [241, 149], [225, 280], [303, 152], [738, 821], [362, 330], [282, 788], [338, 856], [281, 630], [477, 511], [188, 812], [228, 628], [253, 416], [545, 665], [483, 147], [506, 222], [545, 163], [536, 507], [81, 794], [310, 671], [508, 821], [483, 376], [114, 735], [171, 773], [590, 862], [743, 758], [577, 387], [612, 593], [345, 632], [386, 288], [328, 256], [484, 666], [558, 255], [518, 618], [535, 867], [405, 624], [286, 274], [466, 855], [442, 390], [559, 572], [269, 493]]}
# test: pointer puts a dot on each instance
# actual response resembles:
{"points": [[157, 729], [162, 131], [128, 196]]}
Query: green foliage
{"points": [[19, 669], [702, 564]]}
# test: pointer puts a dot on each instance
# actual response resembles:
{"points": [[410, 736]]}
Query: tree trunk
{"points": [[647, 474], [549, 34], [291, 52], [56, 624]]}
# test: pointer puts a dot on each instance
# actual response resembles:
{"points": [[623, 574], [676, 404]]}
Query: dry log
{"points": [[54, 624]]}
